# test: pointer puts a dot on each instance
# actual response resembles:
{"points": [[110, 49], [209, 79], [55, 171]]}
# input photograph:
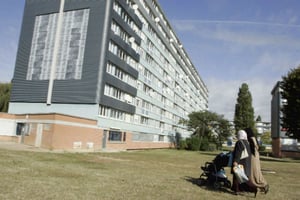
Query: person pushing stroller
{"points": [[241, 145]]}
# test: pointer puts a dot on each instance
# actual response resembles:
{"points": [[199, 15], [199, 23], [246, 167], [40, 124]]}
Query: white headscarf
{"points": [[242, 135]]}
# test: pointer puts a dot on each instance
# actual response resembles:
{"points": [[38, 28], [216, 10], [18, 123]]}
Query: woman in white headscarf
{"points": [[240, 145]]}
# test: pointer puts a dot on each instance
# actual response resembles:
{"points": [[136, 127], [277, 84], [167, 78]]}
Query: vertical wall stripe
{"points": [[55, 51], [102, 49]]}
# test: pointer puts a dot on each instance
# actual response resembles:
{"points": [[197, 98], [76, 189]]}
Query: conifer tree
{"points": [[244, 112]]}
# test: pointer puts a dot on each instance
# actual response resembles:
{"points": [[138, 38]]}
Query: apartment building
{"points": [[282, 145], [116, 62]]}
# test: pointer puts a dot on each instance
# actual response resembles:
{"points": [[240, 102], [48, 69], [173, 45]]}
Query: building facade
{"points": [[282, 145], [118, 62]]}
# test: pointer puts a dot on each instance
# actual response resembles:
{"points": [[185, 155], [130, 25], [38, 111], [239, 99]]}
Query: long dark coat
{"points": [[237, 152]]}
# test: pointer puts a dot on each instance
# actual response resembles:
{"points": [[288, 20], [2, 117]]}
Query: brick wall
{"points": [[63, 132]]}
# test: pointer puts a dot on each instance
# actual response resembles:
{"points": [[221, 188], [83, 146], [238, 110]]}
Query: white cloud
{"points": [[242, 32], [222, 96]]}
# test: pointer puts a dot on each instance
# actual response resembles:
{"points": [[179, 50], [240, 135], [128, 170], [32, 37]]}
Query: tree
{"points": [[4, 96], [208, 127], [290, 86], [266, 138], [258, 119], [244, 112]]}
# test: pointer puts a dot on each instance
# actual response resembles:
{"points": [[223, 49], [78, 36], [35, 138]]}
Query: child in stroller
{"points": [[213, 172]]}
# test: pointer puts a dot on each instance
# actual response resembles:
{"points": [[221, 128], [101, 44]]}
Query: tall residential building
{"points": [[118, 62], [276, 105], [282, 145]]}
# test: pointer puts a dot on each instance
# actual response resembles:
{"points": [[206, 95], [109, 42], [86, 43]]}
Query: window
{"points": [[22, 129], [115, 136], [161, 138], [144, 120]]}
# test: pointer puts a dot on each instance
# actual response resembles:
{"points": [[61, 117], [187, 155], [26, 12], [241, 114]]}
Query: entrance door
{"points": [[39, 134]]}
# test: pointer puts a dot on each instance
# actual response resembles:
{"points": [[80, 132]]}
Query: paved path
{"points": [[20, 147]]}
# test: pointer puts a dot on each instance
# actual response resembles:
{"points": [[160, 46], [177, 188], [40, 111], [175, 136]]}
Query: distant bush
{"points": [[182, 145], [262, 148], [204, 144], [212, 147], [193, 143]]}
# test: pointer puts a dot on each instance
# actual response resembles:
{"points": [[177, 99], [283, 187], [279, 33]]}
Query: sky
{"points": [[230, 42]]}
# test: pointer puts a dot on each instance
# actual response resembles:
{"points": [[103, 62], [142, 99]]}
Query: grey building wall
{"points": [[90, 88], [64, 91], [275, 111]]}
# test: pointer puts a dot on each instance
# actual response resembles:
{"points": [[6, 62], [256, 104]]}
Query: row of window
{"points": [[115, 114], [148, 108], [118, 94], [119, 31], [118, 136], [112, 113], [127, 19], [118, 51], [120, 74]]}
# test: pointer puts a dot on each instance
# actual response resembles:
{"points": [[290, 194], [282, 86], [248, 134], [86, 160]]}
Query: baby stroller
{"points": [[213, 172]]}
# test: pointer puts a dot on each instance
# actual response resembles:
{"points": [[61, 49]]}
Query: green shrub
{"points": [[212, 147], [262, 148], [182, 144], [204, 144], [193, 143]]}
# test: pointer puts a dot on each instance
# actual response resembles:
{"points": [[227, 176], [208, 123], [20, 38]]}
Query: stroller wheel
{"points": [[227, 184], [217, 185]]}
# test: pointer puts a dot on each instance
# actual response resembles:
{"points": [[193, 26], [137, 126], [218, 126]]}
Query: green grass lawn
{"points": [[149, 174]]}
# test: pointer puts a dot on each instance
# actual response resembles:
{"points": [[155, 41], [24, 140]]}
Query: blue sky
{"points": [[229, 41]]}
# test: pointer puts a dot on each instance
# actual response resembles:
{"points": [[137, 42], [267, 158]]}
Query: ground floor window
{"points": [[161, 138], [22, 129], [115, 136]]}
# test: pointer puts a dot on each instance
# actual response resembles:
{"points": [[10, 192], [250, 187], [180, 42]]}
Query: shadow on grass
{"points": [[223, 189], [204, 185]]}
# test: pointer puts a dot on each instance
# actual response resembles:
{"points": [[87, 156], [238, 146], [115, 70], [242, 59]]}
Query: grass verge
{"points": [[149, 174]]}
